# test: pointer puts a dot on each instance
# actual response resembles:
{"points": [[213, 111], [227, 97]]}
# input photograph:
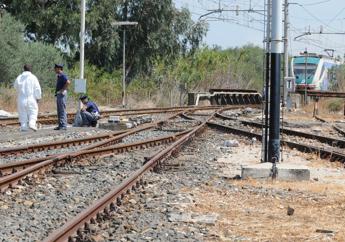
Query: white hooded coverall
{"points": [[29, 91]]}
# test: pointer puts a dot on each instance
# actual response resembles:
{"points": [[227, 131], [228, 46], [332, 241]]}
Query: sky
{"points": [[227, 29]]}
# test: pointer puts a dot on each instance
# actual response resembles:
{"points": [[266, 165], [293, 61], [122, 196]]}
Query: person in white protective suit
{"points": [[29, 93]]}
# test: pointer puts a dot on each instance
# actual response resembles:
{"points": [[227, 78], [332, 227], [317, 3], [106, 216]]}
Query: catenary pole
{"points": [[124, 69], [276, 51], [82, 43], [286, 47], [267, 77], [82, 38], [124, 24]]}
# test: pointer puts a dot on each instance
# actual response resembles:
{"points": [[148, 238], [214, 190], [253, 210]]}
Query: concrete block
{"points": [[114, 119], [286, 172], [113, 126]]}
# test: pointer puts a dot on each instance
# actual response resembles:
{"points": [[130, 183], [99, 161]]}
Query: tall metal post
{"points": [[82, 36], [124, 69], [124, 24], [286, 50], [267, 78], [276, 52], [82, 44], [305, 77]]}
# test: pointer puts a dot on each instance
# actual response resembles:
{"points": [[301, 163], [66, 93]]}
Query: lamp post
{"points": [[125, 23]]}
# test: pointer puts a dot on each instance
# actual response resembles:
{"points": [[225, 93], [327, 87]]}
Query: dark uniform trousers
{"points": [[61, 101]]}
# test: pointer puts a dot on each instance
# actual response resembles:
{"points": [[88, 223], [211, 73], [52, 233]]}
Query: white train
{"points": [[313, 72]]}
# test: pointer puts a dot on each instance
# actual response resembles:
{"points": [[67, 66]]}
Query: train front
{"points": [[304, 69]]}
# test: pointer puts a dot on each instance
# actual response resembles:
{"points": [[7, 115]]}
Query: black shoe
{"points": [[60, 128], [93, 123]]}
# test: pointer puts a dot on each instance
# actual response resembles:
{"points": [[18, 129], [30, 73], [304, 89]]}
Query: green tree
{"points": [[163, 31], [231, 68], [15, 52]]}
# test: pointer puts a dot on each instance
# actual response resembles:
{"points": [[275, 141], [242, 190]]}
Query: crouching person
{"points": [[89, 112]]}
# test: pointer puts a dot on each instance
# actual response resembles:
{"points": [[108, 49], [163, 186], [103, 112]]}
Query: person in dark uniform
{"points": [[62, 84], [89, 112]]}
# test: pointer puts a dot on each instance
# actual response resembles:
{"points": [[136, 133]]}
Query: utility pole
{"points": [[82, 38], [124, 69], [286, 51], [124, 23], [276, 52], [267, 78], [81, 82]]}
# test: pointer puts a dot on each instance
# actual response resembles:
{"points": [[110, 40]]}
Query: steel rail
{"points": [[338, 129], [320, 119], [57, 144], [323, 153], [9, 168], [323, 139], [45, 166], [107, 203], [51, 118], [13, 167], [233, 90], [335, 127], [324, 94]]}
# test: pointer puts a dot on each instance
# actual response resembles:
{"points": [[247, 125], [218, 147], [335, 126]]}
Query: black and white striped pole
{"points": [[267, 78], [275, 56]]}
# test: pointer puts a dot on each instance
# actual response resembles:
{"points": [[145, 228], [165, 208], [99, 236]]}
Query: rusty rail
{"points": [[44, 166], [57, 144], [323, 153], [51, 118], [9, 168], [107, 203], [323, 139]]}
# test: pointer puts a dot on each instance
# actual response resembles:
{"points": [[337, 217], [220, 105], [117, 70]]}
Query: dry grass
{"points": [[259, 216], [331, 108], [8, 102]]}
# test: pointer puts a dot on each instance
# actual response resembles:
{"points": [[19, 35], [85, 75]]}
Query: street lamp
{"points": [[124, 23]]}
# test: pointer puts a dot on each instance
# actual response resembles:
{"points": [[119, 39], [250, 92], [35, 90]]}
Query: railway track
{"points": [[334, 126], [113, 199], [323, 153], [56, 145], [51, 118], [22, 166], [13, 173], [323, 139], [178, 138], [73, 229]]}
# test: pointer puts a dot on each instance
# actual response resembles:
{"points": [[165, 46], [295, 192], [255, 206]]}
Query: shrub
{"points": [[335, 105], [15, 52]]}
